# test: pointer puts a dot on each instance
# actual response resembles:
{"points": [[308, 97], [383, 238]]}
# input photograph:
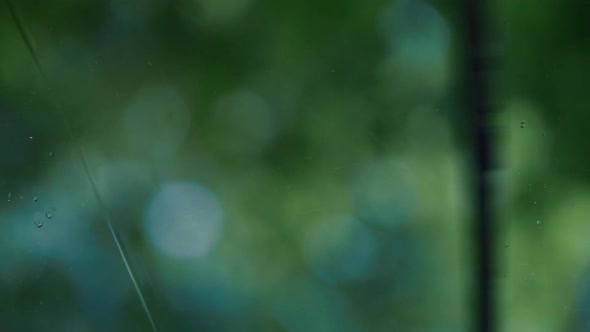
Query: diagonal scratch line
{"points": [[21, 29], [82, 157]]}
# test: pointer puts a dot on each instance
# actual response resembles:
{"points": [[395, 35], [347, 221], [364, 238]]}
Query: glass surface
{"points": [[542, 93], [244, 165]]}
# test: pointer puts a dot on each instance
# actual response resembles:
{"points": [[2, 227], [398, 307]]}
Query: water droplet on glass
{"points": [[35, 198], [48, 215], [538, 222]]}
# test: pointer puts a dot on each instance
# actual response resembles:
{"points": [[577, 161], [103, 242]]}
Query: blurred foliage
{"points": [[544, 184], [284, 166]]}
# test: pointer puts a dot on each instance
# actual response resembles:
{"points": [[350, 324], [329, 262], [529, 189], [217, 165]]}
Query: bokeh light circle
{"points": [[340, 249], [184, 220]]}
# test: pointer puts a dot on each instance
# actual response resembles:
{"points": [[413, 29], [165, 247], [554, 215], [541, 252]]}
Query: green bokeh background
{"points": [[333, 137]]}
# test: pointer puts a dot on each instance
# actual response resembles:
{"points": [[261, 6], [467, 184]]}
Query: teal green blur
{"points": [[286, 166]]}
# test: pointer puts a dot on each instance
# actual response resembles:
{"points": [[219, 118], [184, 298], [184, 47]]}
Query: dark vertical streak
{"points": [[479, 106]]}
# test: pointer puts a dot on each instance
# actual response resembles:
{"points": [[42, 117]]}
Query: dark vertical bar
{"points": [[479, 106]]}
